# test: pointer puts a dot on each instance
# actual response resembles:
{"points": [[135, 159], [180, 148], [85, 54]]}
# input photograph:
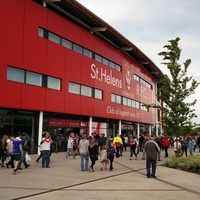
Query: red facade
{"points": [[22, 47]]}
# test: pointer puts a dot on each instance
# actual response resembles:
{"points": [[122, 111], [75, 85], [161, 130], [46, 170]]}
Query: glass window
{"points": [[66, 43], [87, 53], [98, 58], [105, 61], [137, 104], [112, 65], [74, 88], [113, 98], [142, 81], [54, 38], [125, 101], [14, 74], [143, 107], [98, 94], [33, 78], [129, 102], [86, 91], [118, 68], [118, 99], [53, 83], [133, 103], [77, 48], [136, 77], [41, 32]]}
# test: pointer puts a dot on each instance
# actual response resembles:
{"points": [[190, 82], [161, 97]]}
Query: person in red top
{"points": [[165, 145]]}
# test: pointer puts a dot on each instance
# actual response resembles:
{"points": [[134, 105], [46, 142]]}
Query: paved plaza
{"points": [[65, 180]]}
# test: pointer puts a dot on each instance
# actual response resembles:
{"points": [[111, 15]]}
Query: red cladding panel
{"points": [[33, 97], [72, 104], [34, 47]]}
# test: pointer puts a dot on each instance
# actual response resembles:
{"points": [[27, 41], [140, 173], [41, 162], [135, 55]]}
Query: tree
{"points": [[174, 92]]}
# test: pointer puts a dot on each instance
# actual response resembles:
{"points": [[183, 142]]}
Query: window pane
{"points": [[112, 65], [113, 98], [137, 105], [77, 48], [33, 78], [86, 91], [14, 74], [53, 83], [142, 81], [74, 88], [54, 38], [98, 94], [118, 68], [66, 44], [136, 77], [133, 103], [143, 107], [105, 61], [129, 102], [98, 58], [87, 53], [125, 102], [118, 99], [41, 32]]}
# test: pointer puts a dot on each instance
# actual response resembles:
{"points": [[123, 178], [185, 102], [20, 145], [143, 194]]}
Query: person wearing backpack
{"points": [[25, 148]]}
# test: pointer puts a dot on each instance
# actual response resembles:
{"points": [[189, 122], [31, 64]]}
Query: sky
{"points": [[150, 24]]}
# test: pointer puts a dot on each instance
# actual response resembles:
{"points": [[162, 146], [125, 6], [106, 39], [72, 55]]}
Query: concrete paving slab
{"points": [[64, 180]]}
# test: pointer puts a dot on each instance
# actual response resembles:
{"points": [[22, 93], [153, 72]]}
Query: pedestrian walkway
{"points": [[65, 180]]}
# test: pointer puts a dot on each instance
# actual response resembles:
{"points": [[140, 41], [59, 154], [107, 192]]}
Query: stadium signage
{"points": [[105, 76]]}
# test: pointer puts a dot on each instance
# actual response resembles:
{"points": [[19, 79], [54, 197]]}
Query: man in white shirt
{"points": [[46, 150], [70, 144]]}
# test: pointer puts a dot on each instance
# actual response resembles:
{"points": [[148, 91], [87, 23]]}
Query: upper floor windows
{"points": [[139, 79], [15, 74], [53, 83], [32, 78], [54, 38], [86, 52], [127, 102], [75, 47], [66, 43], [84, 90]]}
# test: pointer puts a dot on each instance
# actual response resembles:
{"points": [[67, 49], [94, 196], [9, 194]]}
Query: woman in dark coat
{"points": [[93, 154]]}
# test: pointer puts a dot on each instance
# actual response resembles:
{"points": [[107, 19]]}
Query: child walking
{"points": [[110, 155], [103, 158]]}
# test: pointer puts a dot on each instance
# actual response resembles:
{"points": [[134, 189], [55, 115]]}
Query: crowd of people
{"points": [[15, 148], [97, 147]]}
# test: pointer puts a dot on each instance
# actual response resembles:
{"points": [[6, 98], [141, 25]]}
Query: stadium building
{"points": [[64, 69]]}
